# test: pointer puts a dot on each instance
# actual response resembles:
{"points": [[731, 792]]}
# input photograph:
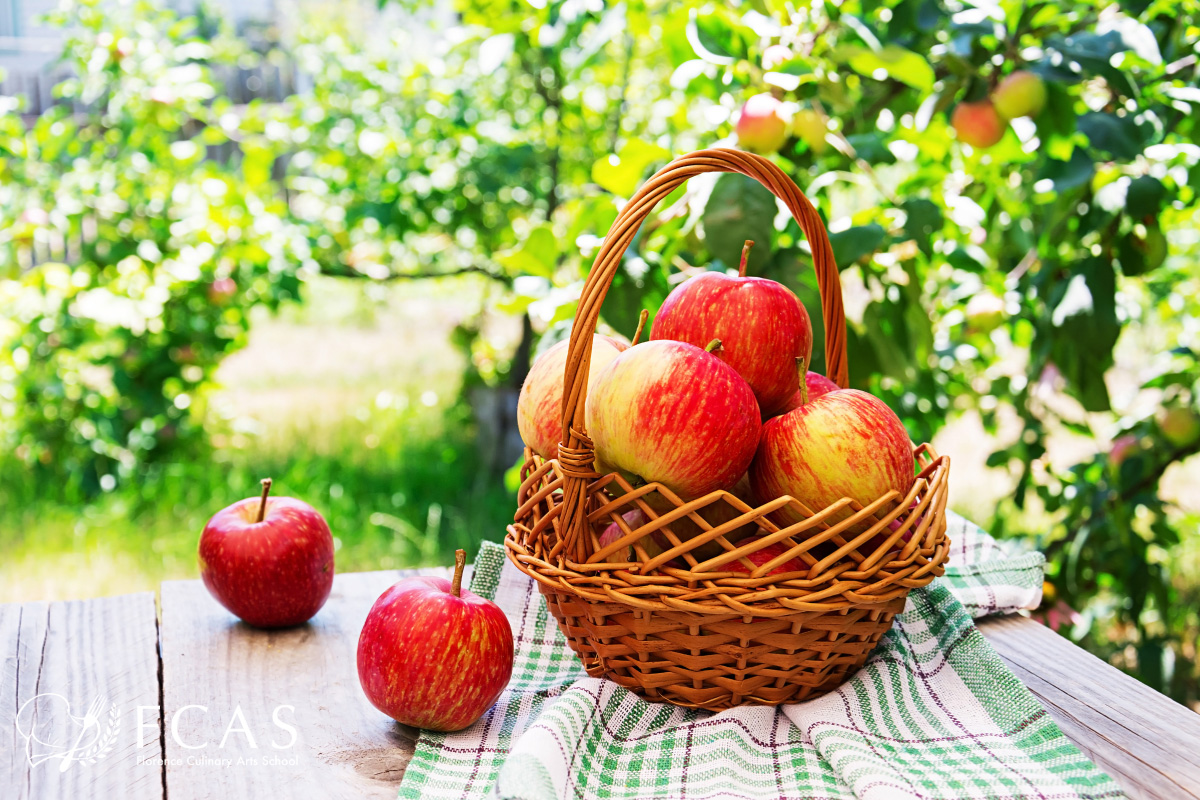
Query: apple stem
{"points": [[745, 257], [713, 346], [460, 563], [645, 315], [802, 365], [262, 507]]}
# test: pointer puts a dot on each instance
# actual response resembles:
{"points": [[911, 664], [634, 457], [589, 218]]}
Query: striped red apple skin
{"points": [[432, 659], [843, 444], [539, 406], [670, 412], [762, 556], [271, 573], [762, 326]]}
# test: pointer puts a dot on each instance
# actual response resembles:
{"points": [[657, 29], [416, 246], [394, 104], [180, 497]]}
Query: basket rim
{"points": [[835, 582]]}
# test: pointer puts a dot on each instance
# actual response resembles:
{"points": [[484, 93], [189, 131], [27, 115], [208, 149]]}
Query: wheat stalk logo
{"points": [[52, 732]]}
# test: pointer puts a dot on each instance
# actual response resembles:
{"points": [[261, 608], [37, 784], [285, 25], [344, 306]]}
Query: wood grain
{"points": [[58, 660], [1147, 742], [344, 747]]}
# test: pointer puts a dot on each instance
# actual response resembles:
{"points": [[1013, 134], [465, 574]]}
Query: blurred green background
{"points": [[324, 243]]}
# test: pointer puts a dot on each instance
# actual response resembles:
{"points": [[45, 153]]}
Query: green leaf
{"points": [[622, 173], [738, 209], [1145, 196], [636, 285], [924, 220], [1109, 133], [1139, 255], [1084, 329], [895, 62], [854, 243], [1070, 174], [717, 37], [537, 255], [870, 147], [1056, 123]]}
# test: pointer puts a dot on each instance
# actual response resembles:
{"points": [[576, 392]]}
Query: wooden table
{"points": [[287, 708]]}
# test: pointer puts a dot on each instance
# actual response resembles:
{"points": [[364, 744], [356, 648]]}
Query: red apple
{"points": [[1180, 426], [434, 655], [671, 412], [816, 385], [1021, 94], [1122, 448], [844, 444], [761, 127], [653, 543], [762, 326], [764, 555], [539, 407], [269, 561], [221, 290], [877, 541], [978, 124], [715, 514]]}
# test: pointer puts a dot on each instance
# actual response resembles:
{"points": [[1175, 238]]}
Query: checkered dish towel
{"points": [[934, 714]]}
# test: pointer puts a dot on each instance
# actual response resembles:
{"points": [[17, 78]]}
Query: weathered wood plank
{"points": [[60, 662], [305, 678], [1147, 742]]}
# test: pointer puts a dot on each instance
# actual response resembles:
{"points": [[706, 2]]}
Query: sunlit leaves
{"points": [[739, 209], [622, 172], [1118, 136], [892, 61], [854, 244], [536, 255]]}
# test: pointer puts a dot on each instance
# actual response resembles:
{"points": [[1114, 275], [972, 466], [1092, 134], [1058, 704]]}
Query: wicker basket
{"points": [[681, 626]]}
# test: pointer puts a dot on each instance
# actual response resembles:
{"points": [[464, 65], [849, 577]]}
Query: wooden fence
{"points": [[266, 81]]}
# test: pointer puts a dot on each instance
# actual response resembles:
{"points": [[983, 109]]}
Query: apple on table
{"points": [[434, 655], [268, 560]]}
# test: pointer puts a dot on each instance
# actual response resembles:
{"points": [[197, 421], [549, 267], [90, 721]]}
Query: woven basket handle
{"points": [[576, 453]]}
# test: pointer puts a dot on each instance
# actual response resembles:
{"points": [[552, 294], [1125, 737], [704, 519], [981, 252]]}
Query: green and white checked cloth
{"points": [[934, 714]]}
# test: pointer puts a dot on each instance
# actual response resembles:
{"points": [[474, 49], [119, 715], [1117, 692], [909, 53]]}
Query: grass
{"points": [[348, 403]]}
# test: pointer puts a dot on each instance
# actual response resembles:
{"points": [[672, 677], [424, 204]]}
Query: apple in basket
{"points": [[268, 560], [843, 444], [653, 543], [815, 385], [434, 655], [880, 539], [539, 407], [656, 542], [762, 326], [768, 553], [674, 413]]}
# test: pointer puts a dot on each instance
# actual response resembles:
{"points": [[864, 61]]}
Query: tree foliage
{"points": [[1009, 282]]}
